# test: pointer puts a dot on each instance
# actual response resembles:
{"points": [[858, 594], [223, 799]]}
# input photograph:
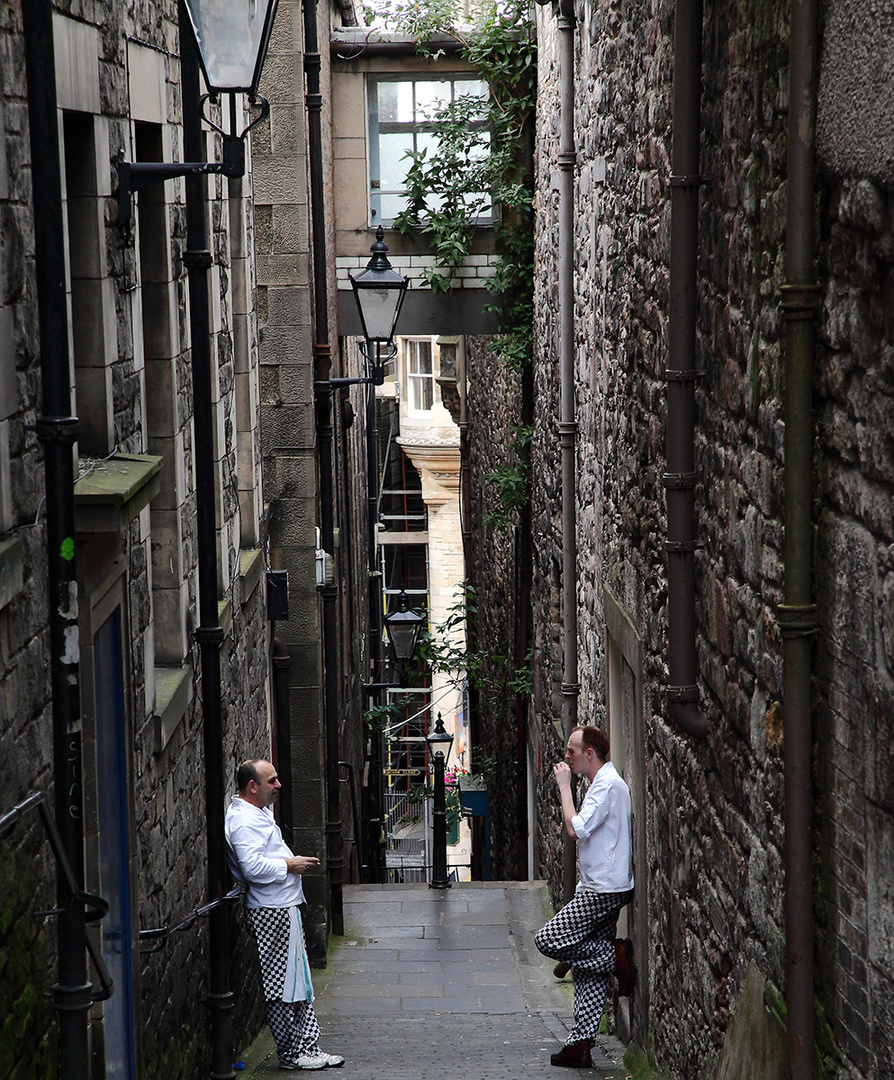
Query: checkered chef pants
{"points": [[582, 934], [285, 973]]}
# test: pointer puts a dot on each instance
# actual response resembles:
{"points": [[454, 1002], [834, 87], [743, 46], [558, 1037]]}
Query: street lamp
{"points": [[403, 626], [231, 38], [379, 292], [440, 743]]}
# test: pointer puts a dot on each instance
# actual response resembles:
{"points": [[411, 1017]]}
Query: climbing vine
{"points": [[481, 159]]}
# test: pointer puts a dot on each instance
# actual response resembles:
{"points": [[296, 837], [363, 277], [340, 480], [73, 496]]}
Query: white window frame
{"points": [[420, 385], [415, 128]]}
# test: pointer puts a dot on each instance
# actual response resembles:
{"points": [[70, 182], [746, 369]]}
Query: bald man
{"points": [[261, 859]]}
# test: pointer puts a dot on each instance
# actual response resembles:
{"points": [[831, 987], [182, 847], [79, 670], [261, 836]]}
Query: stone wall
{"points": [[711, 901], [493, 566], [163, 771]]}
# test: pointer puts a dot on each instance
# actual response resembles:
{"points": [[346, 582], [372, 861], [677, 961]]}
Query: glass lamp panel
{"points": [[232, 36], [379, 307]]}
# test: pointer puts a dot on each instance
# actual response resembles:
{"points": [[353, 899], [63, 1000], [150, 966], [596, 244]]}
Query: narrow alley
{"points": [[428, 980]]}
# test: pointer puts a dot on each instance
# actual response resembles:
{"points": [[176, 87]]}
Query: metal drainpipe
{"points": [[56, 430], [209, 635], [282, 666], [568, 420], [797, 615], [324, 424], [679, 480]]}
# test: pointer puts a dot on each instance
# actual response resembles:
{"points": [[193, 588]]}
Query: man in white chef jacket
{"points": [[261, 859]]}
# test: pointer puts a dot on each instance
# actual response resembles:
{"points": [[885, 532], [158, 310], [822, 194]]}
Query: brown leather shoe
{"points": [[574, 1055], [561, 969], [624, 967]]}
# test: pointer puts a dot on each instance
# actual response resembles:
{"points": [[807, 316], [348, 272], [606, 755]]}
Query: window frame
{"points": [[376, 128], [423, 381]]}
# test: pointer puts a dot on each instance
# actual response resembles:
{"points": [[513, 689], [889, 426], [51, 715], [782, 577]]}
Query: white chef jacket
{"points": [[603, 830], [257, 856]]}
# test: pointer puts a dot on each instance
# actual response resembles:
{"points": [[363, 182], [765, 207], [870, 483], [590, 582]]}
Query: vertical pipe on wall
{"points": [[568, 418], [679, 480], [209, 635], [324, 425], [56, 430], [797, 615]]}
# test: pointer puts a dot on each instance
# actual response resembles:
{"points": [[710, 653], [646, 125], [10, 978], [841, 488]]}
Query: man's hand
{"points": [[563, 774], [299, 863]]}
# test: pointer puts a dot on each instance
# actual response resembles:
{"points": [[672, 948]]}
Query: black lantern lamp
{"points": [[231, 39], [404, 626], [379, 292], [440, 742]]}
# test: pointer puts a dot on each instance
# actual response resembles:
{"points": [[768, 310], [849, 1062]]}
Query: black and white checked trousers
{"points": [[582, 934], [293, 1023]]}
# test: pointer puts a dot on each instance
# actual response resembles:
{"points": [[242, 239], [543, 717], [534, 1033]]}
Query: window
{"points": [[420, 376], [401, 121]]}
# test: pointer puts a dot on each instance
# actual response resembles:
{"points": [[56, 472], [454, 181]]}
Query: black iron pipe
{"points": [[282, 666], [682, 691], [797, 616], [209, 635], [568, 414], [56, 430], [325, 436]]}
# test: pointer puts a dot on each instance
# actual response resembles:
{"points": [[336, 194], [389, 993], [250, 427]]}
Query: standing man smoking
{"points": [[261, 859], [582, 935]]}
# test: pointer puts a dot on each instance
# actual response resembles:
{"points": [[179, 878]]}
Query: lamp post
{"points": [[440, 743], [379, 292], [403, 626]]}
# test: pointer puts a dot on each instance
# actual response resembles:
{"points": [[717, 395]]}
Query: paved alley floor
{"points": [[431, 983]]}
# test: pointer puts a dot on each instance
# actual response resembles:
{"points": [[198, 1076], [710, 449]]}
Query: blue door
{"points": [[114, 846]]}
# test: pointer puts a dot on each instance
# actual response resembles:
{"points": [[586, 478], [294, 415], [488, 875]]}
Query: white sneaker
{"points": [[310, 1062], [334, 1061]]}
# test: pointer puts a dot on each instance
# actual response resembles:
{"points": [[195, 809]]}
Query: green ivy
{"points": [[492, 674], [483, 156], [512, 481]]}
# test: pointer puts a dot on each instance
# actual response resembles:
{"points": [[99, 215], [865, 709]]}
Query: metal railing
{"points": [[95, 907]]}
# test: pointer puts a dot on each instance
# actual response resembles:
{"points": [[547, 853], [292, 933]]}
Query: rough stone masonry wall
{"points": [[855, 667], [713, 894], [714, 809], [27, 880], [494, 404]]}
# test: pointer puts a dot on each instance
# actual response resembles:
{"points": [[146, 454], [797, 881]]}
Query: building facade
{"points": [[712, 920], [142, 783]]}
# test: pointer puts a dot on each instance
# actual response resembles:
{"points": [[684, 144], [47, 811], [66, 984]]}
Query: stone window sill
{"points": [[251, 568], [173, 696], [110, 493]]}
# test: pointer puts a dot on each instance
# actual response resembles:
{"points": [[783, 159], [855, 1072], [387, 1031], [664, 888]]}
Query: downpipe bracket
{"points": [[797, 620]]}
